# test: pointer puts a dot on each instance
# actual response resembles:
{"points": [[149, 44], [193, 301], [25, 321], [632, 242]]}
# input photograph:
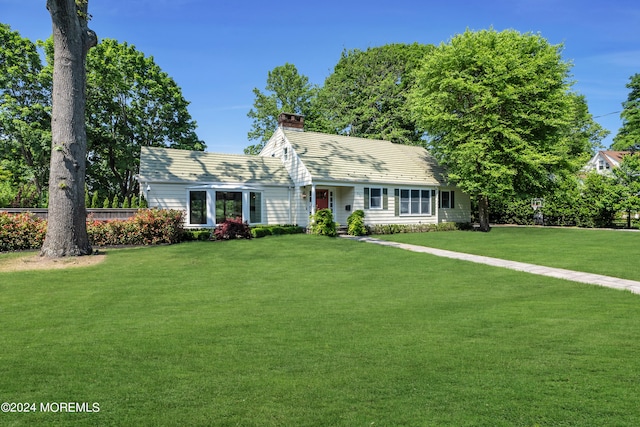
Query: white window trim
{"points": [[380, 207], [211, 191], [420, 190]]}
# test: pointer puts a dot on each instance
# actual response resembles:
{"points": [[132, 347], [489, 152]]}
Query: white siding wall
{"points": [[461, 211], [167, 196], [279, 147], [275, 202]]}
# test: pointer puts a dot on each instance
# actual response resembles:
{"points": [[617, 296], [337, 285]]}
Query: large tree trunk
{"points": [[483, 213], [67, 229]]}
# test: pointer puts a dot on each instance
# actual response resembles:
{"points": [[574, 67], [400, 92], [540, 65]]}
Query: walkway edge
{"points": [[558, 273]]}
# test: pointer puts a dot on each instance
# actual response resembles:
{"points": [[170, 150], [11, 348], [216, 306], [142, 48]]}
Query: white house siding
{"points": [[166, 196], [279, 147], [276, 205], [461, 211]]}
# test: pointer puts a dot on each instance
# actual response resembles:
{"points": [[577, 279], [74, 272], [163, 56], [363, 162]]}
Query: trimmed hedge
{"points": [[416, 228], [275, 230], [147, 227], [21, 232]]}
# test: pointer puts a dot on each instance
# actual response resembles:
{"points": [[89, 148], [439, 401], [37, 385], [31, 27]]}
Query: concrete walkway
{"points": [[559, 273]]}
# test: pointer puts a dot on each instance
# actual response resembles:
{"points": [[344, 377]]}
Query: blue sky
{"points": [[218, 51]]}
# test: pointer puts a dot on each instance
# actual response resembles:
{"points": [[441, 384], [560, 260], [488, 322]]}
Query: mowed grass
{"points": [[308, 331], [610, 252]]}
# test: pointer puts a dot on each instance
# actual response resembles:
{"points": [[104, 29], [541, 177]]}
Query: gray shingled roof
{"points": [[343, 158], [166, 164]]}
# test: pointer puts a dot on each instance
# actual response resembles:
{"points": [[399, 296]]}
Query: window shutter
{"points": [[452, 200], [366, 197], [396, 201], [385, 199], [434, 202]]}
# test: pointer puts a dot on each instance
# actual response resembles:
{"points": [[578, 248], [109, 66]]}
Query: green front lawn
{"points": [[309, 331], [610, 252]]}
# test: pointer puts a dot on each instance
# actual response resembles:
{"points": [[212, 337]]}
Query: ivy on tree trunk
{"points": [[67, 230]]}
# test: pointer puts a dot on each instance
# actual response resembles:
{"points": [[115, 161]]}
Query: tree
{"points": [[67, 229], [25, 120], [366, 95], [498, 113], [287, 92], [628, 137], [131, 103], [628, 178]]}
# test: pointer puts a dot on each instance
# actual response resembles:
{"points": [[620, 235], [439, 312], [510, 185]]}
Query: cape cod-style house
{"points": [[298, 173], [604, 161]]}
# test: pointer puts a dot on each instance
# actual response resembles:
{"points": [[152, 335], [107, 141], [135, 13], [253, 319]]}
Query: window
{"points": [[375, 198], [415, 202], [228, 205], [197, 207], [255, 207], [447, 200]]}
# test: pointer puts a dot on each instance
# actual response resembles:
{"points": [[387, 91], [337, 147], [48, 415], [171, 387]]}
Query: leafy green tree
{"points": [[498, 112], [628, 178], [599, 200], [72, 39], [366, 95], [628, 137], [25, 122], [131, 103], [287, 91]]}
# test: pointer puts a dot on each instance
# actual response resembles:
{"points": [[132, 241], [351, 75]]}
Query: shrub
{"points": [[355, 224], [146, 227], [94, 200], [21, 231], [275, 230], [232, 229], [416, 228], [322, 223], [201, 234]]}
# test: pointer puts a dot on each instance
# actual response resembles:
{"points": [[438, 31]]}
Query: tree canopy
{"points": [[366, 95], [287, 91], [131, 103], [498, 111], [628, 137], [25, 120]]}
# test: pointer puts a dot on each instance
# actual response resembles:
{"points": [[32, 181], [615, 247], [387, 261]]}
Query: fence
{"points": [[100, 214]]}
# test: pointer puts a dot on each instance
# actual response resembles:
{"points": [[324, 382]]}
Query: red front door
{"points": [[322, 199]]}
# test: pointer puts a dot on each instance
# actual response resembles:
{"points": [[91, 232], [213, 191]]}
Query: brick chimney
{"points": [[289, 121]]}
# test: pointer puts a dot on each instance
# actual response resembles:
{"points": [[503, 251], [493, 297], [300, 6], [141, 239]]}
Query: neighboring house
{"points": [[298, 173], [604, 161]]}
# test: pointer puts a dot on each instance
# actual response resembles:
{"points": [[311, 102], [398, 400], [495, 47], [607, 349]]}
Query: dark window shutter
{"points": [[452, 200], [434, 202], [385, 199], [366, 197], [396, 201]]}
